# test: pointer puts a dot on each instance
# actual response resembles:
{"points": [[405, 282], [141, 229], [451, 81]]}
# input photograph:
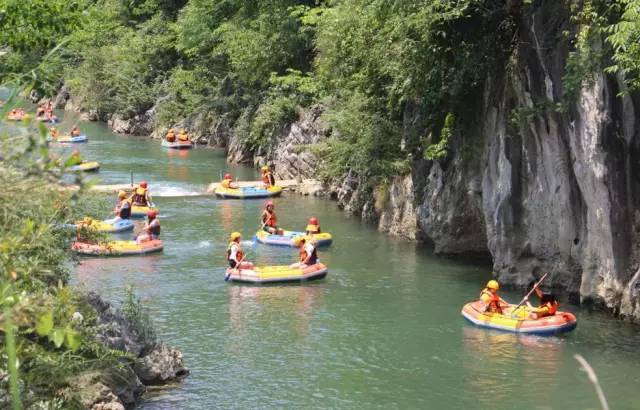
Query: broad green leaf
{"points": [[73, 339], [44, 324], [57, 337]]}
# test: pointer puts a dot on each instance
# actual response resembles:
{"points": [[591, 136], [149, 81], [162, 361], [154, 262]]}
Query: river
{"points": [[383, 330]]}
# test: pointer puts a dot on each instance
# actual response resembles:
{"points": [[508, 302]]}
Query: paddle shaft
{"points": [[529, 294], [237, 268]]}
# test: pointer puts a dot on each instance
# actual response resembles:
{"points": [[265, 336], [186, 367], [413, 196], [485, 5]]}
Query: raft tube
{"points": [[53, 120], [67, 139], [17, 118], [110, 225], [118, 248], [248, 192], [277, 274], [85, 167], [287, 238], [177, 144], [520, 323], [141, 211]]}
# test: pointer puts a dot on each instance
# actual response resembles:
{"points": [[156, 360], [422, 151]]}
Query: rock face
{"points": [[154, 363], [141, 124]]}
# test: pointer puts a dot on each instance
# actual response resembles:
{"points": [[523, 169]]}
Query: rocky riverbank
{"points": [[144, 363]]}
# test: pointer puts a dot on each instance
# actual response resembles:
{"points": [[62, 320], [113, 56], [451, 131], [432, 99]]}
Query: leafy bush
{"points": [[138, 317]]}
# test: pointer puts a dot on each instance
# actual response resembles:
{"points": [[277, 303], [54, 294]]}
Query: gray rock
{"points": [[160, 365]]}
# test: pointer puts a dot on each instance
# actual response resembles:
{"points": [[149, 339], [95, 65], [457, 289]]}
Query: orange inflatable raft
{"points": [[520, 322], [117, 248], [275, 274]]}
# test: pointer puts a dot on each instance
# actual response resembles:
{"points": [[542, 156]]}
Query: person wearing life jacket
{"points": [[308, 252], [267, 177], [171, 135], [75, 132], [183, 136], [313, 226], [54, 132], [151, 228], [75, 158], [489, 297], [548, 305], [227, 182], [269, 219], [235, 255], [123, 210], [40, 111], [140, 196]]}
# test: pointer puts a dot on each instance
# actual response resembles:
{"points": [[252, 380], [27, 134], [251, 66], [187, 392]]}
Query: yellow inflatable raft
{"points": [[277, 274], [85, 167], [117, 248], [248, 192]]}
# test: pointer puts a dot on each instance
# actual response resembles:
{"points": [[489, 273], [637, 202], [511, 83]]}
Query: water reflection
{"points": [[137, 271]]}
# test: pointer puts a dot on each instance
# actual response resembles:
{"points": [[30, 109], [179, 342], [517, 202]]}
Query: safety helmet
{"points": [[75, 152], [265, 168], [152, 213], [268, 204], [493, 284], [227, 176], [143, 184], [122, 194], [235, 236], [313, 221]]}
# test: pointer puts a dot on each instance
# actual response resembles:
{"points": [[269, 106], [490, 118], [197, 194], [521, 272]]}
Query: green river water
{"points": [[383, 330]]}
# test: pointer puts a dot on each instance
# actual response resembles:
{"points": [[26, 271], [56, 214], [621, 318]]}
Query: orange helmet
{"points": [[152, 213], [313, 221], [143, 184]]}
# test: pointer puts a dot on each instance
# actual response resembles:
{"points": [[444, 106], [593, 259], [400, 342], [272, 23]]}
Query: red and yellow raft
{"points": [[117, 248], [521, 322], [275, 274]]}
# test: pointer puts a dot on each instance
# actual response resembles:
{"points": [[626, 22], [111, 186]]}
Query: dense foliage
{"points": [[388, 72]]}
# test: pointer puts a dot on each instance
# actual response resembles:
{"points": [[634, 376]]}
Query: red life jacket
{"points": [[494, 302], [269, 219]]}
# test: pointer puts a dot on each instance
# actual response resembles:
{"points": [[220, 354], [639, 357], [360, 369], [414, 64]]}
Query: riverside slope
{"points": [[549, 190]]}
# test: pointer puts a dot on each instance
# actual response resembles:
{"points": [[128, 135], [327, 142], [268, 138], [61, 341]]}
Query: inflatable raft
{"points": [[17, 118], [520, 323], [248, 192], [277, 274], [177, 144], [85, 167], [117, 248], [67, 139], [110, 225], [53, 120], [141, 211], [287, 238]]}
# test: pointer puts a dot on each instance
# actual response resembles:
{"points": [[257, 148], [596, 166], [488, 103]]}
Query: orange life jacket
{"points": [[265, 179], [170, 137], [552, 308], [183, 136], [494, 302], [269, 219], [239, 253], [75, 133]]}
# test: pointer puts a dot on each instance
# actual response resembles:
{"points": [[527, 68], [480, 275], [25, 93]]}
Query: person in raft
{"points": [[489, 297], [123, 210], [183, 136], [151, 228], [40, 111], [235, 255], [308, 253], [548, 305], [75, 132], [75, 158], [171, 135], [140, 196], [313, 226], [227, 182], [270, 220], [267, 177], [54, 132]]}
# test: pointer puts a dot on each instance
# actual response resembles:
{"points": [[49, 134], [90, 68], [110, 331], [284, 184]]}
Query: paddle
{"points": [[237, 268], [524, 299]]}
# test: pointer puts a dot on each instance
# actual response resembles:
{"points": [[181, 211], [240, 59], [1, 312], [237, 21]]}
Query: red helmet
{"points": [[152, 213], [143, 184], [268, 204], [227, 176], [313, 221]]}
